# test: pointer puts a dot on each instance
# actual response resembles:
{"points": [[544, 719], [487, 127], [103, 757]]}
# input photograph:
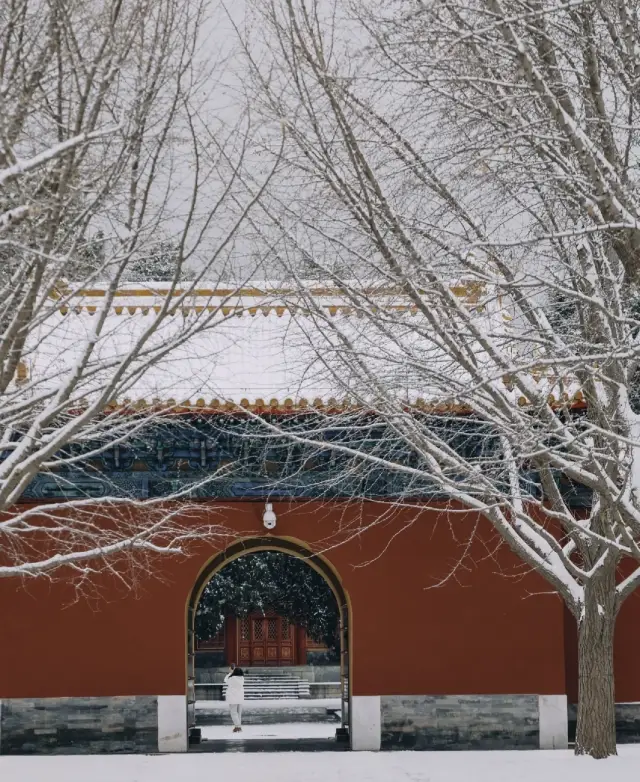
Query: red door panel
{"points": [[266, 640]]}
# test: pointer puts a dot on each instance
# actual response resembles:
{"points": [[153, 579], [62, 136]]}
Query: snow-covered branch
{"points": [[116, 174]]}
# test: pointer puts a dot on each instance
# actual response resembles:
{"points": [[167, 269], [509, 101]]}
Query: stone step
{"points": [[272, 696], [275, 694], [269, 687], [267, 675], [258, 715]]}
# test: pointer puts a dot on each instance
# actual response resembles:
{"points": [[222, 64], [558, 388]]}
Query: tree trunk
{"points": [[596, 729]]}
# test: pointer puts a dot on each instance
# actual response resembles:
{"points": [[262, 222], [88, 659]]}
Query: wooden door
{"points": [[280, 641], [266, 640]]}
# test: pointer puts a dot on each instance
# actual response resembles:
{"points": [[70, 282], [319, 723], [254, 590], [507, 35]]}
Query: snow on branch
{"points": [[91, 203], [47, 155]]}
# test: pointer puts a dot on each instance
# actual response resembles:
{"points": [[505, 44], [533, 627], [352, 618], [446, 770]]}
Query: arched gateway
{"points": [[293, 548]]}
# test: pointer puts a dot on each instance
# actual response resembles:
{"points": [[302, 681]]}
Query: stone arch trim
{"points": [[294, 548], [268, 543]]}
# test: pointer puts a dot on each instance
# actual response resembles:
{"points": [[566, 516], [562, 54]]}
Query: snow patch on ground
{"points": [[515, 766], [281, 730]]}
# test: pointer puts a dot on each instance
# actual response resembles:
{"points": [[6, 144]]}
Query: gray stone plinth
{"points": [[627, 722], [79, 725], [440, 722], [209, 692], [325, 689], [304, 712]]}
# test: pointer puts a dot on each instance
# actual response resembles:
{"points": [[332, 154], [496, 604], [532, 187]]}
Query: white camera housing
{"points": [[269, 517]]}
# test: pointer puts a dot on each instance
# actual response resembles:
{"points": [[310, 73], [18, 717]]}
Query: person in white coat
{"points": [[235, 696]]}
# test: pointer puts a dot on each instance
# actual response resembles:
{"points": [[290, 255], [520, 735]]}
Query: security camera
{"points": [[269, 517]]}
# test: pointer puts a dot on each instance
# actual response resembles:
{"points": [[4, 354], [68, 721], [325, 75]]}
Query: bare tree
{"points": [[466, 184], [108, 146]]}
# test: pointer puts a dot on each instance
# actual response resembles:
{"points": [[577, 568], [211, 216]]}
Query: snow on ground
{"points": [[535, 766], [281, 730], [282, 704]]}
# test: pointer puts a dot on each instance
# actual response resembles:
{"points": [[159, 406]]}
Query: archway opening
{"points": [[279, 612]]}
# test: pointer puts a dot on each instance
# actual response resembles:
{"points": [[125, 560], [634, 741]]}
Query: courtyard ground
{"points": [[266, 720], [558, 766]]}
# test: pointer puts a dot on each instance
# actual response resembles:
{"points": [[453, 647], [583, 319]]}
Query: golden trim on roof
{"points": [[261, 406], [290, 405], [22, 372], [277, 309], [464, 290], [469, 291]]}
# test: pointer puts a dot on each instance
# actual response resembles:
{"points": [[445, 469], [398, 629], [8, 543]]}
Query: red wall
{"points": [[489, 629], [625, 658]]}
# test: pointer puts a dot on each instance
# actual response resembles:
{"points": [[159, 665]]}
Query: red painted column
{"points": [[230, 639], [301, 645]]}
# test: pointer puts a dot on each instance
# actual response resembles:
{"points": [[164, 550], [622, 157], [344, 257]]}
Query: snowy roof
{"points": [[255, 347]]}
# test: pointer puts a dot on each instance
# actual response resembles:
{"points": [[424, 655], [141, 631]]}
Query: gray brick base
{"points": [[439, 722], [627, 722], [79, 725]]}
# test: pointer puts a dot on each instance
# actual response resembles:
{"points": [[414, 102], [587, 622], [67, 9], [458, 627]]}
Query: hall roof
{"points": [[255, 347]]}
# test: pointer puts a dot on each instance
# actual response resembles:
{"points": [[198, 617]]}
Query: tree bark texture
{"points": [[596, 728]]}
